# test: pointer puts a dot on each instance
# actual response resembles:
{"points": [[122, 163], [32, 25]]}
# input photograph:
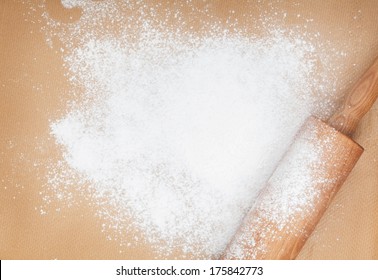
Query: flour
{"points": [[72, 3], [175, 132]]}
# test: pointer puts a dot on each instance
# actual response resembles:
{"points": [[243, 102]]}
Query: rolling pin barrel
{"points": [[296, 195], [305, 181]]}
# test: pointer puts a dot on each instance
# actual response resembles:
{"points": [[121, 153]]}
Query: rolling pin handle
{"points": [[357, 103]]}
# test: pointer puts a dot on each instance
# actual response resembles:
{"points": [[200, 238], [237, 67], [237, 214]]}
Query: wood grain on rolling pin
{"points": [[289, 207], [358, 102]]}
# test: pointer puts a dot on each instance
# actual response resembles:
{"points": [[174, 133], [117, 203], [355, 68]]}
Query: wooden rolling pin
{"points": [[305, 181]]}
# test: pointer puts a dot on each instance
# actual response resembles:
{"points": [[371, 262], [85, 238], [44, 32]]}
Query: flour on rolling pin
{"points": [[306, 177]]}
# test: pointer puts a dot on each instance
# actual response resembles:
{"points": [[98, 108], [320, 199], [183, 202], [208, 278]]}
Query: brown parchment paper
{"points": [[31, 86]]}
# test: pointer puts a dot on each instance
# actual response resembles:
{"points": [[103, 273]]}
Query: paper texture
{"points": [[31, 86]]}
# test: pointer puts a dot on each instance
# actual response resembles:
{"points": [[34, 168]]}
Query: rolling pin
{"points": [[308, 176]]}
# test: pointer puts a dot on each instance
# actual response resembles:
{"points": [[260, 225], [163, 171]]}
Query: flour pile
{"points": [[176, 131]]}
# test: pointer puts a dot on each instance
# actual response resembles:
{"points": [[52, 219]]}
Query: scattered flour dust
{"points": [[175, 131]]}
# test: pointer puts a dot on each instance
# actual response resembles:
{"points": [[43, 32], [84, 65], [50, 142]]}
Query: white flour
{"points": [[174, 130]]}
